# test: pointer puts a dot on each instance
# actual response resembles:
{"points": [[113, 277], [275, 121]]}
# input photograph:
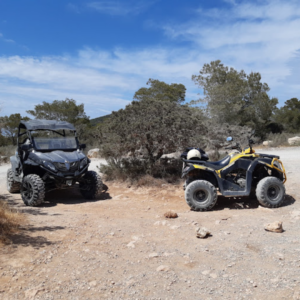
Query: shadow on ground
{"points": [[66, 196], [72, 196], [25, 239], [246, 202]]}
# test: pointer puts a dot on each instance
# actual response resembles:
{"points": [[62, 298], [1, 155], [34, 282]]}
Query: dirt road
{"points": [[121, 246]]}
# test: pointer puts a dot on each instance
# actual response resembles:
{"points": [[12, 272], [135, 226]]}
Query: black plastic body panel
{"points": [[227, 188]]}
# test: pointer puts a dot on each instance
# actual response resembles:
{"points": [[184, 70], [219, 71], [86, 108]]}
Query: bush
{"points": [[133, 169], [7, 151], [281, 139]]}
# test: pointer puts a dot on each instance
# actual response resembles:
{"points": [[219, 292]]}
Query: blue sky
{"points": [[100, 52]]}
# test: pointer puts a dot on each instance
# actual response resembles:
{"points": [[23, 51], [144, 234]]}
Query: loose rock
{"points": [[162, 268], [202, 232], [274, 227], [171, 215]]}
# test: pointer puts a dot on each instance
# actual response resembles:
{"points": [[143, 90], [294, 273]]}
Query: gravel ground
{"points": [[122, 247]]}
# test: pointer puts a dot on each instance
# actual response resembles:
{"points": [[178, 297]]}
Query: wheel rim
{"points": [[27, 191], [201, 196], [273, 192]]}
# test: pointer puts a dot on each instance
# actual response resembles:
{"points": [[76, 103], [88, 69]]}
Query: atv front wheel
{"points": [[201, 195], [91, 185], [270, 192], [33, 190], [12, 186]]}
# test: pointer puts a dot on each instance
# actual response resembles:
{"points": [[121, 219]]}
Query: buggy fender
{"points": [[15, 163], [30, 162]]}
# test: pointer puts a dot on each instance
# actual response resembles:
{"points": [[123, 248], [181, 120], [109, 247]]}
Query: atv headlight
{"points": [[49, 165], [83, 163]]}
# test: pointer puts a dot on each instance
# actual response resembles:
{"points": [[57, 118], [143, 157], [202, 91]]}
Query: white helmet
{"points": [[194, 154]]}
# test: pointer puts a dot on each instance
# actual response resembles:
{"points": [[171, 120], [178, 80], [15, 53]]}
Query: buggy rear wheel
{"points": [[91, 185], [12, 186], [201, 195], [33, 190]]}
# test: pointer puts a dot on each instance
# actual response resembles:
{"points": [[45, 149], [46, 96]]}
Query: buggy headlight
{"points": [[83, 163], [49, 165]]}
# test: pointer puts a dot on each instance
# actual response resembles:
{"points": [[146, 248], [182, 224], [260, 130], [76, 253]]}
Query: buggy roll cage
{"points": [[43, 125]]}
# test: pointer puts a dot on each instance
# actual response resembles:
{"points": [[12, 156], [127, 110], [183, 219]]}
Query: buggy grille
{"points": [[67, 167]]}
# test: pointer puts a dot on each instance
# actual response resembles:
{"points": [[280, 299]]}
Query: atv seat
{"points": [[217, 165]]}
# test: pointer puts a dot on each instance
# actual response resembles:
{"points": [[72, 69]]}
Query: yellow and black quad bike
{"points": [[241, 173]]}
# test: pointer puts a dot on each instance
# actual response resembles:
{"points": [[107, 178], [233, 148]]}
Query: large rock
{"points": [[294, 140], [93, 153], [267, 143]]}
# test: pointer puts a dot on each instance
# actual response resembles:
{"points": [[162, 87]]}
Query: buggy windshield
{"points": [[53, 140]]}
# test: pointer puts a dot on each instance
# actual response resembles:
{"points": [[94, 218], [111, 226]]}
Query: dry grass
{"points": [[149, 181], [10, 221]]}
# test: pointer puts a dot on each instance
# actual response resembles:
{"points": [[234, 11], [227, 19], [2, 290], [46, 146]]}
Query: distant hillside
{"points": [[98, 120]]}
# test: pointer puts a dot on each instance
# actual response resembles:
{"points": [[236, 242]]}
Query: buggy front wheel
{"points": [[33, 190]]}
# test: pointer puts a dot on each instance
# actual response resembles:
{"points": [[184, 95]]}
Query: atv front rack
{"points": [[279, 167]]}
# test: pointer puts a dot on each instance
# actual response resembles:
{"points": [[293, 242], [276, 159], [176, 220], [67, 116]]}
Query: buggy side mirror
{"points": [[26, 147], [82, 146]]}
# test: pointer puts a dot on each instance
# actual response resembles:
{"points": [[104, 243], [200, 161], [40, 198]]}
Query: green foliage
{"points": [[289, 115], [147, 129], [234, 97], [99, 120], [161, 91], [61, 110], [9, 126]]}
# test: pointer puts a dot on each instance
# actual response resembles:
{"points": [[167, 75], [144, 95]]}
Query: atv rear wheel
{"points": [[33, 190], [270, 192], [91, 186], [12, 186], [201, 195]]}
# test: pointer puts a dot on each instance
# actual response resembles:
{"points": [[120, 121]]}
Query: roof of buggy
{"points": [[46, 124]]}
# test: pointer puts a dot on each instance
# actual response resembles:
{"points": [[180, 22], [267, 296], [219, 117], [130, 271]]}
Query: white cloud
{"points": [[254, 40], [117, 8], [257, 36], [103, 81]]}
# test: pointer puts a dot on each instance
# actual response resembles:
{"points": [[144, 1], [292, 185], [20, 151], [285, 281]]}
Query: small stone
{"points": [[131, 244], [202, 232], [274, 227], [175, 227], [213, 275], [151, 255], [93, 283], [206, 272], [162, 268], [171, 215]]}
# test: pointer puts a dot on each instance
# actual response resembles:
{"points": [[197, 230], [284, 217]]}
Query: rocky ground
{"points": [[122, 247]]}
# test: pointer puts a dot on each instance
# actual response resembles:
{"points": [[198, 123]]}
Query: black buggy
{"points": [[49, 157]]}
